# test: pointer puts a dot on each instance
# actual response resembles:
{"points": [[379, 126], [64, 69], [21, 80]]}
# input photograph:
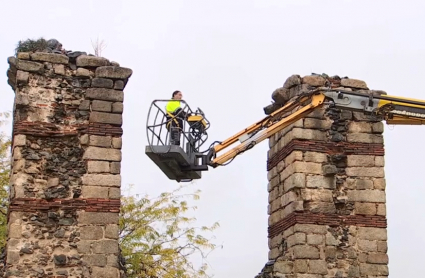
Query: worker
{"points": [[175, 116]]}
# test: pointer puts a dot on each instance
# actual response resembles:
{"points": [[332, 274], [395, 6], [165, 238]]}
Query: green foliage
{"points": [[5, 143], [158, 240], [30, 45]]}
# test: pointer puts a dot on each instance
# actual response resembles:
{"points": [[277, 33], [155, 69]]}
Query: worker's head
{"points": [[177, 95]]}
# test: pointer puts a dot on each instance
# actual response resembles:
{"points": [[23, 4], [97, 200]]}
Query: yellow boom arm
{"points": [[392, 109]]}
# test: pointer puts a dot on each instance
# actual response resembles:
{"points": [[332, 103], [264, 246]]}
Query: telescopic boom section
{"points": [[266, 128]]}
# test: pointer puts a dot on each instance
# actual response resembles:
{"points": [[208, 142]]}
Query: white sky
{"points": [[227, 57]]}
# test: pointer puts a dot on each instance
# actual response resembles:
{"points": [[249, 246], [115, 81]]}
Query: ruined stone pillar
{"points": [[327, 210], [65, 182]]}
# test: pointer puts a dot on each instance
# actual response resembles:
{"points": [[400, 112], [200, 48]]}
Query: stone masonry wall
{"points": [[65, 182], [327, 210]]}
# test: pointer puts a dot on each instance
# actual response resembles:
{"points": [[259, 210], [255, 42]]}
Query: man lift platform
{"points": [[186, 161]]}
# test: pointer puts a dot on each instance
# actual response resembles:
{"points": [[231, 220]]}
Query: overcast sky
{"points": [[227, 57]]}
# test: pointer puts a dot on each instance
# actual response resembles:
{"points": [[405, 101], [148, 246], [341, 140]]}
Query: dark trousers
{"points": [[175, 127]]}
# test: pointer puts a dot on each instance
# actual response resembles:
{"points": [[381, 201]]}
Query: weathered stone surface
{"points": [[359, 127], [91, 61], [97, 153], [105, 272], [117, 142], [365, 208], [314, 239], [119, 85], [106, 118], [320, 207], [84, 105], [102, 83], [319, 181], [105, 247], [98, 167], [360, 160], [115, 167], [317, 124], [105, 94], [314, 80], [24, 55], [315, 157], [94, 192], [59, 69], [19, 140], [322, 195], [112, 231], [280, 95], [101, 180], [310, 229], [318, 267], [375, 196], [354, 83], [113, 72], [50, 57], [22, 77], [373, 269], [91, 232], [306, 252], [84, 72], [95, 260], [91, 218], [101, 105], [117, 107], [371, 233], [29, 66], [100, 141]]}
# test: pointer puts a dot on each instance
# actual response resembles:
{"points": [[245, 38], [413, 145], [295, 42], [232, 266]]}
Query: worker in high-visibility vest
{"points": [[175, 116]]}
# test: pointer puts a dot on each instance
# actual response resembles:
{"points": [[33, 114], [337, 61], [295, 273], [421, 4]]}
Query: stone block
{"points": [[101, 105], [119, 85], [96, 153], [307, 167], [365, 208], [98, 167], [378, 127], [306, 252], [117, 142], [112, 231], [112, 260], [105, 94], [370, 233], [354, 83], [82, 72], [51, 182], [113, 72], [15, 230], [91, 61], [50, 57], [362, 184], [102, 83], [12, 257], [294, 206], [367, 245], [100, 141], [296, 239], [19, 140], [106, 118], [296, 180], [373, 270], [91, 232], [114, 193], [23, 55], [294, 156], [314, 80], [382, 246], [115, 167], [105, 246], [331, 240], [317, 124], [369, 196], [360, 160], [18, 165], [320, 207], [105, 272], [94, 192], [322, 195], [288, 197], [91, 218], [381, 210], [379, 184], [101, 180], [306, 134], [301, 266], [319, 181], [314, 239], [379, 161], [117, 107], [310, 229], [84, 105], [377, 258], [283, 267], [95, 260], [318, 267], [59, 69], [359, 127], [377, 172], [22, 77], [365, 138], [315, 157]]}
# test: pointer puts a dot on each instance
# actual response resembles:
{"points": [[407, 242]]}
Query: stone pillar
{"points": [[327, 210], [65, 182]]}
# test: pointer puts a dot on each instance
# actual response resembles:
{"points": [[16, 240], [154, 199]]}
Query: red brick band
{"points": [[94, 205], [325, 147], [376, 221], [54, 130]]}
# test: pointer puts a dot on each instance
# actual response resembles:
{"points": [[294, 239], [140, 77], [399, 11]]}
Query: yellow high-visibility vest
{"points": [[172, 106]]}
